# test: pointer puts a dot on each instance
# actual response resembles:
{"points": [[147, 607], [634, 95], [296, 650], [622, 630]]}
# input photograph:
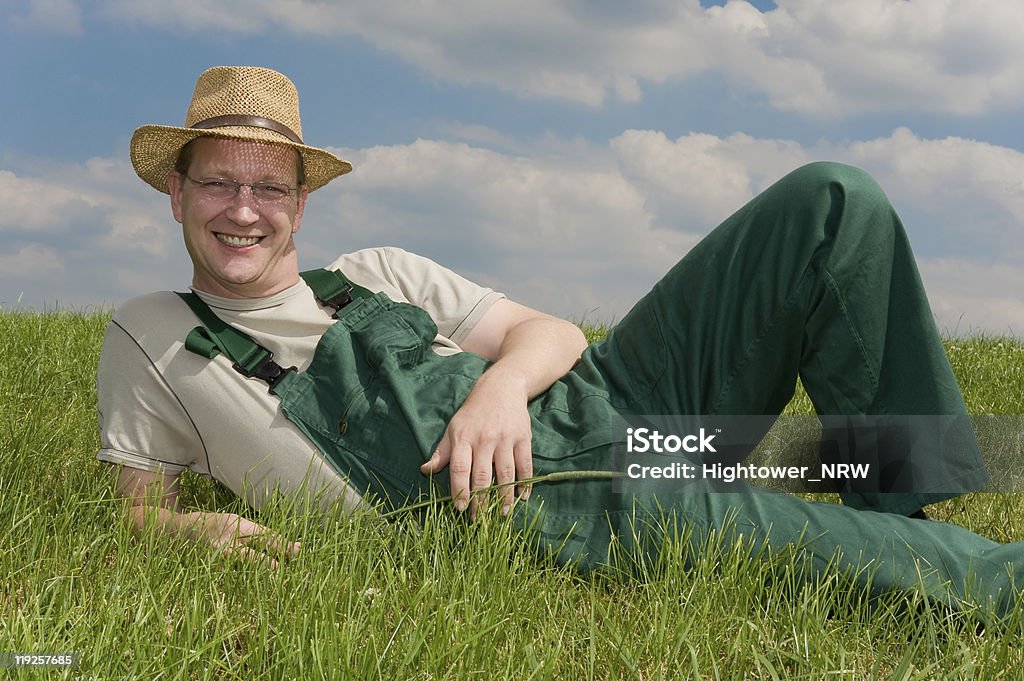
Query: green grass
{"points": [[437, 599]]}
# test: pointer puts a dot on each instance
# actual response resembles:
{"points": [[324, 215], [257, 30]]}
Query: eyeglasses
{"points": [[222, 189]]}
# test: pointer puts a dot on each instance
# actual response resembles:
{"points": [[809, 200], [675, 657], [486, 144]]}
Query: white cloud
{"points": [[948, 168], [971, 296], [966, 194], [33, 203], [698, 179], [31, 262], [962, 202], [526, 225], [58, 17], [825, 59], [100, 196], [70, 230], [552, 230], [954, 56], [574, 228]]}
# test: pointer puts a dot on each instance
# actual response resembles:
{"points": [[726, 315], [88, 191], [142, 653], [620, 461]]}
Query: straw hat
{"points": [[234, 102]]}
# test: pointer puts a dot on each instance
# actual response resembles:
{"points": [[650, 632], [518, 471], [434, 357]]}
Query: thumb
{"points": [[437, 461]]}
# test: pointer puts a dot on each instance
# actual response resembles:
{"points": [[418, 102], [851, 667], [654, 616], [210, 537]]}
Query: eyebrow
{"points": [[225, 175]]}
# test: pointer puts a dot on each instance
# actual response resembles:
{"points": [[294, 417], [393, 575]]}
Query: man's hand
{"points": [[488, 438], [154, 496], [229, 533], [239, 536]]}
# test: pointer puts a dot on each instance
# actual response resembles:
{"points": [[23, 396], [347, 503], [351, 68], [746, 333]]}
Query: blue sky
{"points": [[545, 148]]}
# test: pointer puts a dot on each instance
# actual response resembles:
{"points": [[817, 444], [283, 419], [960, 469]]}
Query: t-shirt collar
{"points": [[249, 304]]}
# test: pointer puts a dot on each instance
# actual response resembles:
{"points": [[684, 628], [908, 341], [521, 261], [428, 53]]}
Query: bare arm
{"points": [[490, 436], [153, 497]]}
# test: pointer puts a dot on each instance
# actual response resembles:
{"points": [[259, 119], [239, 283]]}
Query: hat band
{"points": [[252, 121]]}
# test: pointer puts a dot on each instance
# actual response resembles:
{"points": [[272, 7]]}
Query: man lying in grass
{"points": [[365, 380]]}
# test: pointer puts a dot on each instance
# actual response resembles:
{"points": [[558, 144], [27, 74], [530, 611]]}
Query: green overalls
{"points": [[814, 278]]}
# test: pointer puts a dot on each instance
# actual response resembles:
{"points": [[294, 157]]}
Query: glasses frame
{"points": [[253, 188]]}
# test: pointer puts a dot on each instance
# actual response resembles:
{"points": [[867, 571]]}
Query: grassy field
{"points": [[440, 599]]}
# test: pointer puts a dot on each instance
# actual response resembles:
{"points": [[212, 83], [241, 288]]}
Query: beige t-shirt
{"points": [[162, 407]]}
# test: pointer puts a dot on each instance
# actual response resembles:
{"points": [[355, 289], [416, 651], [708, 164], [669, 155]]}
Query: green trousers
{"points": [[813, 278]]}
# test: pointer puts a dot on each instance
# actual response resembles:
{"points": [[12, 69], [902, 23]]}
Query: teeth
{"points": [[238, 240]]}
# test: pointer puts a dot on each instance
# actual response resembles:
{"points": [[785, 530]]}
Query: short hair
{"points": [[184, 161]]}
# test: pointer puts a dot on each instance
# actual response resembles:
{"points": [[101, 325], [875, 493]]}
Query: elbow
{"points": [[578, 339]]}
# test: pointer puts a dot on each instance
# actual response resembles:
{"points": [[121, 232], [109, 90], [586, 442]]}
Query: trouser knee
{"points": [[827, 175], [849, 194]]}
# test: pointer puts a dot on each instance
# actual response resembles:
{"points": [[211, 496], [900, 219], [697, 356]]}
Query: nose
{"points": [[242, 209]]}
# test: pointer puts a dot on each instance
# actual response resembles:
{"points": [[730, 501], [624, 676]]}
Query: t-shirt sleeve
{"points": [[142, 423], [455, 303]]}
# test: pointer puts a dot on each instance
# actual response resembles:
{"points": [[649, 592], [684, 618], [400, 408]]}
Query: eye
{"points": [[213, 184], [271, 191]]}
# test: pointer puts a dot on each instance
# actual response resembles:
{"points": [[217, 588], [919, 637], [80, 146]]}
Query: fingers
{"points": [[505, 467], [460, 468], [249, 554], [264, 549], [474, 469], [484, 446], [280, 546], [483, 474], [523, 455], [244, 538]]}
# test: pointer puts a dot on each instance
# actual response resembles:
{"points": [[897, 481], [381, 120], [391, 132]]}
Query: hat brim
{"points": [[155, 149]]}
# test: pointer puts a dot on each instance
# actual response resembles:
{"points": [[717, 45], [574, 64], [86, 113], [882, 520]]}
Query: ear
{"points": [[174, 187], [300, 208]]}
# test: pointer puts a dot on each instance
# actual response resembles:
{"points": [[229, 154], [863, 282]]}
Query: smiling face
{"points": [[240, 247]]}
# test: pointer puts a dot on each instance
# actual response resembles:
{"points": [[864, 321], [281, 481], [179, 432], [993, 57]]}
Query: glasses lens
{"points": [[225, 190], [269, 192], [218, 189]]}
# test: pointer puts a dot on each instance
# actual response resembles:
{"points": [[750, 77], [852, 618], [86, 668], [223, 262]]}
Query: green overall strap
{"points": [[333, 289], [215, 336]]}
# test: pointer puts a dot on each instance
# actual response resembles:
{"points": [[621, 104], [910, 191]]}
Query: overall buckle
{"points": [[266, 370], [339, 301]]}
